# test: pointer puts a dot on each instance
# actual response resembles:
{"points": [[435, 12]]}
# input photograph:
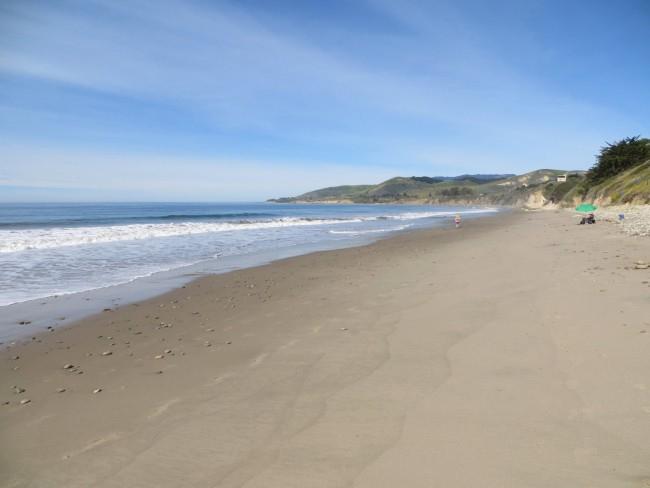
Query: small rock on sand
{"points": [[60, 390], [168, 351], [97, 390], [107, 353], [68, 366], [158, 356], [25, 401]]}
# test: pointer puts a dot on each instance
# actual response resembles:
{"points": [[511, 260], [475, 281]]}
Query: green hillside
{"points": [[332, 193], [631, 186], [488, 189], [621, 174]]}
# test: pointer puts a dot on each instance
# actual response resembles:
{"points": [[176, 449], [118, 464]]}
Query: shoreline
{"points": [[21, 320], [64, 310], [435, 357]]}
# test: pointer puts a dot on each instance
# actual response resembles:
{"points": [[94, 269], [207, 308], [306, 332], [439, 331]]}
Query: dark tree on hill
{"points": [[455, 192], [618, 157]]}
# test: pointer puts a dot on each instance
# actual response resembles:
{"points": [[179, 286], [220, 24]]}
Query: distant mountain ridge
{"points": [[507, 189], [621, 175]]}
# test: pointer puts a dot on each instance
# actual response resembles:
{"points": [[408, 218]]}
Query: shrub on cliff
{"points": [[457, 192], [618, 157]]}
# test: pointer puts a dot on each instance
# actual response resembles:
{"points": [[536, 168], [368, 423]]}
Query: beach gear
{"points": [[586, 207]]}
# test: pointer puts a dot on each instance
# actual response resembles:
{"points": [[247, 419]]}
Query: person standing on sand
{"points": [[457, 220]]}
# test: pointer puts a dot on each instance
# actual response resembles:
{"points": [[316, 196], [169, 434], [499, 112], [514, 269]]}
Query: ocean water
{"points": [[57, 249]]}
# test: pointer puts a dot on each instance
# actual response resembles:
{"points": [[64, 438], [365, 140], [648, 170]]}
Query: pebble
{"points": [[68, 366], [168, 351], [636, 222], [97, 390], [228, 342], [159, 356], [60, 390], [107, 353], [642, 266], [15, 358], [25, 401], [18, 390]]}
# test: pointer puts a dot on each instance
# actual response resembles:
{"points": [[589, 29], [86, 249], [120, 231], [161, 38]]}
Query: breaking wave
{"points": [[21, 239]]}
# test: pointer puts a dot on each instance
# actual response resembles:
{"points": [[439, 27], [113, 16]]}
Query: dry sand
{"points": [[514, 352]]}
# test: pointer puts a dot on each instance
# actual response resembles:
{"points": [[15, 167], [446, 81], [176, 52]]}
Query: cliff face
{"points": [[630, 187]]}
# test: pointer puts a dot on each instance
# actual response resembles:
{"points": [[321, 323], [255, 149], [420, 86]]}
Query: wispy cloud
{"points": [[419, 86], [162, 177]]}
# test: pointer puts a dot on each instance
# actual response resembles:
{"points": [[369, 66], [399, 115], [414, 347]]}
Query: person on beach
{"points": [[457, 220], [589, 219]]}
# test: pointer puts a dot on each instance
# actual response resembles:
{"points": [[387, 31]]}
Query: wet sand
{"points": [[513, 352]]}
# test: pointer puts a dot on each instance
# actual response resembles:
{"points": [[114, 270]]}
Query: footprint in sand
{"points": [[258, 360], [289, 344], [163, 408], [99, 442], [222, 378]]}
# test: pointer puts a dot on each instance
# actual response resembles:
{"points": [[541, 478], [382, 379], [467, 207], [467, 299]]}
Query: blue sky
{"points": [[251, 99]]}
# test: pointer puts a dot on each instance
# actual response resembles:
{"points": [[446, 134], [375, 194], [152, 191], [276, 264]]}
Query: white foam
{"points": [[48, 238], [425, 215], [16, 240], [369, 231]]}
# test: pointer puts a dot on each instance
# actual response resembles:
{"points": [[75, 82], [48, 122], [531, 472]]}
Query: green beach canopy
{"points": [[586, 207]]}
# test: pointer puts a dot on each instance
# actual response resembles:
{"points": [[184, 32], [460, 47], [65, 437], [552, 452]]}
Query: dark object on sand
{"points": [[589, 219]]}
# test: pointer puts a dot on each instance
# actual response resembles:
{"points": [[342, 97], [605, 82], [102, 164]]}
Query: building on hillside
{"points": [[561, 178]]}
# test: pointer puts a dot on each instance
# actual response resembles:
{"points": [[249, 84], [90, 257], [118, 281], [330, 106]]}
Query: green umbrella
{"points": [[586, 207]]}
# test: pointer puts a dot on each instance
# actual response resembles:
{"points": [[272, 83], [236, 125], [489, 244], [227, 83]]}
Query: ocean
{"points": [[51, 250]]}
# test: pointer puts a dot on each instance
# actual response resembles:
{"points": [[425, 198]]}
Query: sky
{"points": [[244, 100]]}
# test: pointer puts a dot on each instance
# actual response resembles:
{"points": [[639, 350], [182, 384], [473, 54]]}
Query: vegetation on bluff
{"points": [[618, 157], [621, 174]]}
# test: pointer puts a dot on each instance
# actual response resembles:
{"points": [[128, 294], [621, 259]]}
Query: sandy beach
{"points": [[513, 352]]}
